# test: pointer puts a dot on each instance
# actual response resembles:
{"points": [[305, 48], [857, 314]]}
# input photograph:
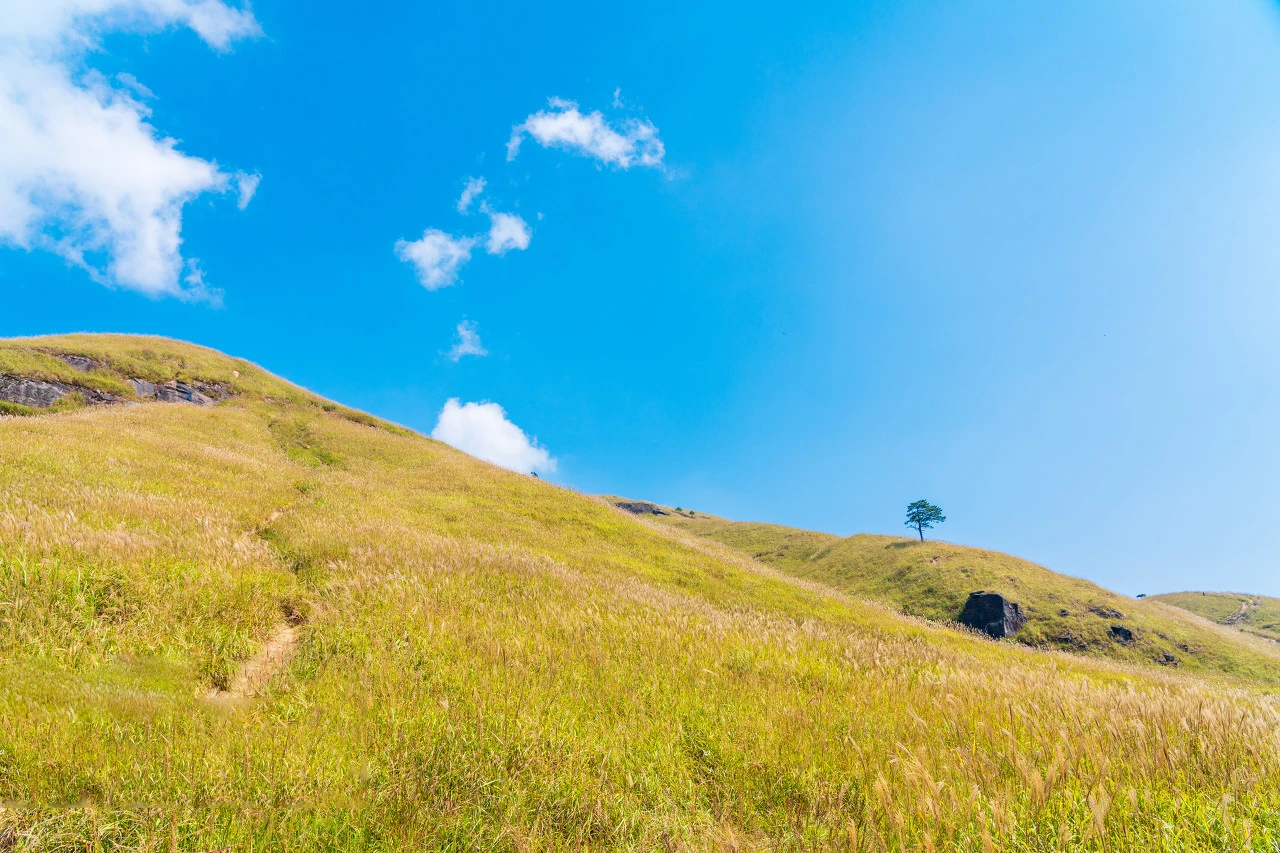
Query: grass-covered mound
{"points": [[1254, 614], [933, 579], [266, 625]]}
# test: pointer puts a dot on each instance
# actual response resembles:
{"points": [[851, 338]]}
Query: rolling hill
{"points": [[236, 616], [1252, 614], [933, 579]]}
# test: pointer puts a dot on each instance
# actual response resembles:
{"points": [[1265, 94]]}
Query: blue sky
{"points": [[1018, 258]]}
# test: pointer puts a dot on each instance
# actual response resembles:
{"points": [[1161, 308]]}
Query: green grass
{"points": [[487, 661], [1253, 614], [933, 579]]}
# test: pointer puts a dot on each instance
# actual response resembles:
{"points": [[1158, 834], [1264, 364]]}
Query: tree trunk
{"points": [[920, 528]]}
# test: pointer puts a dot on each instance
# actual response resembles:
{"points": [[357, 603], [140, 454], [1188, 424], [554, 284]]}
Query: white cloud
{"points": [[635, 143], [506, 232], [437, 257], [83, 173], [474, 187], [468, 342], [482, 429], [246, 185]]}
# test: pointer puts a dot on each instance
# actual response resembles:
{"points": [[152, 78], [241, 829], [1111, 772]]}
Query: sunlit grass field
{"points": [[1253, 614], [484, 661], [933, 579]]}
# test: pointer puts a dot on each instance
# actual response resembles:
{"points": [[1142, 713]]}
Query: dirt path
{"points": [[1246, 607], [258, 670]]}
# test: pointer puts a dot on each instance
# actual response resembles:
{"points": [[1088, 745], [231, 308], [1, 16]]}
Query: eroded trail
{"points": [[258, 670], [1246, 607]]}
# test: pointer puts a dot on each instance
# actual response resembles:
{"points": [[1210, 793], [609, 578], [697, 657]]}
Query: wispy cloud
{"points": [[483, 430], [468, 342], [506, 232], [437, 257], [83, 173], [634, 142], [474, 187], [246, 186]]}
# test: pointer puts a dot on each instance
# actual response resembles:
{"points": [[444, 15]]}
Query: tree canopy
{"points": [[921, 515]]}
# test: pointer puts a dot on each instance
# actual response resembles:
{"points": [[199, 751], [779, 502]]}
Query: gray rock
{"points": [[1122, 634], [993, 614], [181, 392], [1106, 612], [31, 392], [197, 393], [1167, 659], [641, 508], [81, 363], [39, 394], [143, 388]]}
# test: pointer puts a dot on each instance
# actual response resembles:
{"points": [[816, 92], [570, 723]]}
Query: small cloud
{"points": [[196, 290], [506, 232], [129, 82], [634, 143], [474, 187], [468, 342], [246, 186], [482, 430], [437, 257], [617, 97]]}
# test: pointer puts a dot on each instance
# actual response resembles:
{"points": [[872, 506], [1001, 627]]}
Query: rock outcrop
{"points": [[1122, 634], [993, 614], [641, 508], [41, 394], [81, 363], [198, 393]]}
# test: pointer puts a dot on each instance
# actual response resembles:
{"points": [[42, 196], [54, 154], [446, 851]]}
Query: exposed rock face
{"points": [[199, 393], [31, 392], [39, 394], [1106, 612], [81, 363], [993, 614], [1167, 659], [641, 508], [1122, 634]]}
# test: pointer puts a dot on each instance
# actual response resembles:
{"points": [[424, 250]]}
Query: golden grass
{"points": [[1257, 615], [486, 661], [933, 579]]}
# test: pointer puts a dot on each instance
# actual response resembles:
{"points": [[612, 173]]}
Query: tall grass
{"points": [[490, 662], [933, 579]]}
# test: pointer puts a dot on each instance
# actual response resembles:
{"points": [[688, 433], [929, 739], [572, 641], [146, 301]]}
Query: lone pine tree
{"points": [[922, 514]]}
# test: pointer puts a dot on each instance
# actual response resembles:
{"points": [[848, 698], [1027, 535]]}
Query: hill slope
{"points": [[274, 624], [1253, 614], [933, 579]]}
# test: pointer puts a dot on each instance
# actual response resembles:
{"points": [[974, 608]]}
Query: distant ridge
{"points": [[933, 579]]}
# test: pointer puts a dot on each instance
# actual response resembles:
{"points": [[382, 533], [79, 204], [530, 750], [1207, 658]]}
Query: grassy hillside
{"points": [[273, 624], [933, 580], [1253, 614]]}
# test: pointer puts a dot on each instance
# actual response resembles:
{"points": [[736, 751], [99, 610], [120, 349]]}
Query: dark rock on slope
{"points": [[641, 508], [199, 393], [993, 614], [39, 394], [1122, 634]]}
